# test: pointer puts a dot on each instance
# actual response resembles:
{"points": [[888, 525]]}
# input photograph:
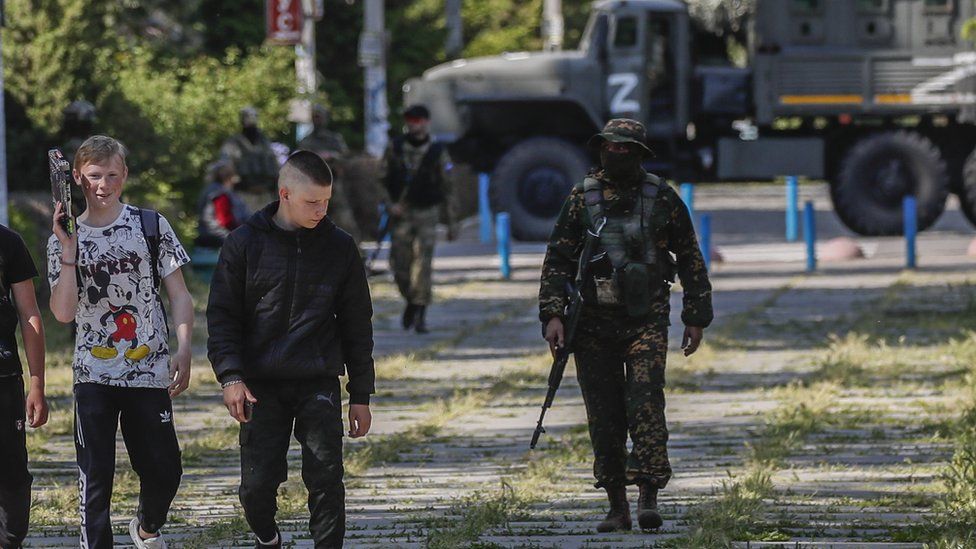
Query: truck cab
{"points": [[876, 96]]}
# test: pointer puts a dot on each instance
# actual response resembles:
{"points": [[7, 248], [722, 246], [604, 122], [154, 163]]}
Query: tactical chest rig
{"points": [[627, 242]]}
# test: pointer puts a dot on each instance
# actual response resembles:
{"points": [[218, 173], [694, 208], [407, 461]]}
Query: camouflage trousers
{"points": [[621, 374], [412, 253]]}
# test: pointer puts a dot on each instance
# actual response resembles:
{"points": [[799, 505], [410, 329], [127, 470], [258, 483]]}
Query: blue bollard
{"points": [[484, 208], [503, 233], [688, 196], [910, 212], [706, 240], [810, 235], [792, 198]]}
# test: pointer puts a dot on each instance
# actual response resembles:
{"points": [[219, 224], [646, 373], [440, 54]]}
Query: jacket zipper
{"points": [[292, 277]]}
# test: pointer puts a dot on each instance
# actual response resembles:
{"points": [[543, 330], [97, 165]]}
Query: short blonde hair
{"points": [[99, 148]]}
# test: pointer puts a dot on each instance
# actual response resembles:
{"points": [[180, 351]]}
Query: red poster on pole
{"points": [[284, 24]]}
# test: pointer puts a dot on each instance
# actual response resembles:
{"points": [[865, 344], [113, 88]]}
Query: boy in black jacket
{"points": [[289, 312]]}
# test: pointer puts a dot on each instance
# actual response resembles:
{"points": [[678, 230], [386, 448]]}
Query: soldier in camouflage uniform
{"points": [[416, 174], [255, 161], [622, 336], [332, 148]]}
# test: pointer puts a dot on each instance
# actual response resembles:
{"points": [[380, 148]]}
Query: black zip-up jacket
{"points": [[291, 305]]}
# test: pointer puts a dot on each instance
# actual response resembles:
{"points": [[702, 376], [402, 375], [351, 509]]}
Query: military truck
{"points": [[876, 96]]}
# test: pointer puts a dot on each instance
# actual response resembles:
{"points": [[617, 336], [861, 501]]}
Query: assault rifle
{"points": [[61, 187], [569, 326]]}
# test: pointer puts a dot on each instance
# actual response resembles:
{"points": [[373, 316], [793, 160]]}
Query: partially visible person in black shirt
{"points": [[18, 305]]}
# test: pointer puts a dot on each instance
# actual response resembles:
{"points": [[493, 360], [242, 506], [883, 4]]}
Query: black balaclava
{"points": [[621, 167]]}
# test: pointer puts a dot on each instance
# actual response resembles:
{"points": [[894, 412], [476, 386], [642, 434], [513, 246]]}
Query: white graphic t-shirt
{"points": [[122, 338]]}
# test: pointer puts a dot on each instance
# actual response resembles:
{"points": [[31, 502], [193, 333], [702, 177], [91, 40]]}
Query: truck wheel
{"points": [[879, 171], [967, 192], [531, 182]]}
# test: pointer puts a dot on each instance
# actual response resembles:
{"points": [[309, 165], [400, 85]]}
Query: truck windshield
{"points": [[595, 32]]}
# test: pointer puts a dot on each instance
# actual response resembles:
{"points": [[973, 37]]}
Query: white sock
{"points": [[272, 542]]}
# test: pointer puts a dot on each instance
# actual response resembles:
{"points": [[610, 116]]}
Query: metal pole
{"points": [[688, 196], [455, 32], [4, 219], [504, 236], [372, 56], [909, 208], [484, 207], [305, 67], [810, 235], [552, 25], [792, 199]]}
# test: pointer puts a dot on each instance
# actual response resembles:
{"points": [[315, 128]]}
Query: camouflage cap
{"points": [[622, 130]]}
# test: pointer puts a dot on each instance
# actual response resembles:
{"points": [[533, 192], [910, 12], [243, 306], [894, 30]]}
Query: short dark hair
{"points": [[311, 166]]}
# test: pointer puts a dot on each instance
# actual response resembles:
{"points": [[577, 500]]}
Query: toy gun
{"points": [[61, 187], [572, 320]]}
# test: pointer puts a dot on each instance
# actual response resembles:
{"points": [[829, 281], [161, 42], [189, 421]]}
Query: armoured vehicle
{"points": [[876, 96]]}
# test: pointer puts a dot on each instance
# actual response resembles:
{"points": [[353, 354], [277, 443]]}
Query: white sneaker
{"points": [[152, 543]]}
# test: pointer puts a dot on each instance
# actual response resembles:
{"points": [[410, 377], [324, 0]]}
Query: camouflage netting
{"points": [[721, 16]]}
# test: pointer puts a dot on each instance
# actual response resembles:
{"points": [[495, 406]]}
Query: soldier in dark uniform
{"points": [[416, 174], [332, 148], [621, 340], [254, 159]]}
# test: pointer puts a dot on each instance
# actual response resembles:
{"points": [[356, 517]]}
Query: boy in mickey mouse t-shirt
{"points": [[106, 278]]}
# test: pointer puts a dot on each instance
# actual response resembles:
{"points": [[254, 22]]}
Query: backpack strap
{"points": [[149, 220], [593, 199]]}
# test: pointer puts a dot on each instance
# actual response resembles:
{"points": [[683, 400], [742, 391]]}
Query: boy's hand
{"points": [[359, 420], [555, 334], [179, 372], [237, 398], [36, 409], [68, 242]]}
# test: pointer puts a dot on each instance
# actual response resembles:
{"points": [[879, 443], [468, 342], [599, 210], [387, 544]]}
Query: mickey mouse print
{"points": [[122, 337]]}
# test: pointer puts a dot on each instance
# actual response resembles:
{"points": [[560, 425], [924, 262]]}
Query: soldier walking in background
{"points": [[621, 340], [254, 159], [332, 148], [416, 174]]}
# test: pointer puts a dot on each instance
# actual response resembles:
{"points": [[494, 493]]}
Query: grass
{"points": [[536, 480]]}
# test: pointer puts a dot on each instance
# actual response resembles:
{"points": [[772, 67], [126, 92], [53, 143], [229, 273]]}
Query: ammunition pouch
{"points": [[634, 281]]}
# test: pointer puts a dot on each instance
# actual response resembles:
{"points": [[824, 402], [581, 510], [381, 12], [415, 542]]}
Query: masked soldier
{"points": [[621, 340], [416, 174], [332, 148], [254, 159]]}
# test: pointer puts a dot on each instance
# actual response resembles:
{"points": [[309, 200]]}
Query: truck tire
{"points": [[967, 191], [878, 172], [531, 182]]}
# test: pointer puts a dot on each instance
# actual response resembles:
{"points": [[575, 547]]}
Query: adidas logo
{"points": [[165, 416]]}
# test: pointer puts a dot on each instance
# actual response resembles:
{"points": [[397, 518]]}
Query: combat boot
{"points": [[420, 320], [408, 316], [619, 516], [647, 515]]}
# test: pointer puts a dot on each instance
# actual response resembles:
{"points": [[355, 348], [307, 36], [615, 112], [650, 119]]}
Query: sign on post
{"points": [[284, 24]]}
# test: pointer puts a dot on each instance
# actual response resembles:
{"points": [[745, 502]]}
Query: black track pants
{"points": [[314, 408], [15, 480], [146, 416]]}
